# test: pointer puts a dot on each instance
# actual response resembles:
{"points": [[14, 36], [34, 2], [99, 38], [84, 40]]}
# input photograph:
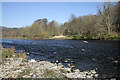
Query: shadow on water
{"points": [[100, 55]]}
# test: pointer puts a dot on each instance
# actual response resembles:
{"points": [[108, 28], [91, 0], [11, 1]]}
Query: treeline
{"points": [[41, 28], [104, 25]]}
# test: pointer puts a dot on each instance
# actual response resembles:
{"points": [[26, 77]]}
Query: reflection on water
{"points": [[100, 55]]}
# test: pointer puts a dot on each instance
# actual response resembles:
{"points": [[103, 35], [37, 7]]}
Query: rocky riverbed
{"points": [[102, 56], [18, 68]]}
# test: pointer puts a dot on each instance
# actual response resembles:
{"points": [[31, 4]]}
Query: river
{"points": [[96, 54]]}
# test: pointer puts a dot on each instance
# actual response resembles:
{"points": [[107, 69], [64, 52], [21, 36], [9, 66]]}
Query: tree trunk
{"points": [[109, 30], [108, 24]]}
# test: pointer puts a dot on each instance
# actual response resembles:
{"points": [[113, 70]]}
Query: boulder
{"points": [[85, 41]]}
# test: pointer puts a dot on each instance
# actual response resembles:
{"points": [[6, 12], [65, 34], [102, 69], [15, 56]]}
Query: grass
{"points": [[21, 55], [24, 37], [63, 71], [51, 74], [102, 36], [9, 52], [24, 72], [16, 37], [24, 60]]}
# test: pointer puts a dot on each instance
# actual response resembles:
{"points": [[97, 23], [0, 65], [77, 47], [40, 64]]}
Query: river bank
{"points": [[74, 37], [15, 68], [20, 67]]}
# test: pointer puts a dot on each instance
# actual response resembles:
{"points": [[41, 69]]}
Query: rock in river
{"points": [[85, 41]]}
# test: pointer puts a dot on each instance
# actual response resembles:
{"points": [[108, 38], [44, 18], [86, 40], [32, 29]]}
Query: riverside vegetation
{"points": [[104, 25], [16, 65]]}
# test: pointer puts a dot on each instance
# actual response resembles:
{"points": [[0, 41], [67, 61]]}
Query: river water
{"points": [[96, 54]]}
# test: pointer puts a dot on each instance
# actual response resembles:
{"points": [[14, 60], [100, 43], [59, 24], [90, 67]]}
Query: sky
{"points": [[19, 14]]}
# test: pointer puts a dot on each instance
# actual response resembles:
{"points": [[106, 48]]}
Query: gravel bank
{"points": [[18, 68]]}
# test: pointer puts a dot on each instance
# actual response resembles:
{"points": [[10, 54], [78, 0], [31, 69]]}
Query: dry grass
{"points": [[52, 74], [24, 72], [9, 52]]}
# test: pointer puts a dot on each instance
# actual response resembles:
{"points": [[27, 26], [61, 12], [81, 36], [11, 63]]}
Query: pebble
{"points": [[66, 61], [71, 61], [68, 69], [77, 70], [94, 59], [59, 64], [93, 71], [57, 61], [22, 64], [31, 74], [115, 61], [34, 76], [55, 67], [18, 71], [32, 60], [69, 65], [28, 53]]}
